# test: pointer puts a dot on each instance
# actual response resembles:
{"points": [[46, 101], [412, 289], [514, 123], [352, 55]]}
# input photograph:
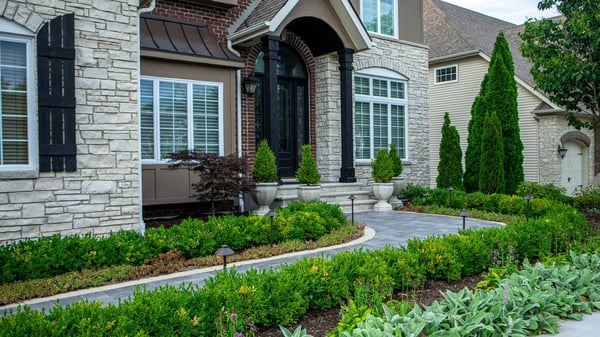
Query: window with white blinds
{"points": [[16, 111], [379, 115], [178, 115]]}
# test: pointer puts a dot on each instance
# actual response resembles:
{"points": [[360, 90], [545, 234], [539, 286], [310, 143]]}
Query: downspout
{"points": [[238, 89], [145, 7]]}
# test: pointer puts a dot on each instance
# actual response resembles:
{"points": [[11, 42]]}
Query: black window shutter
{"points": [[56, 94]]}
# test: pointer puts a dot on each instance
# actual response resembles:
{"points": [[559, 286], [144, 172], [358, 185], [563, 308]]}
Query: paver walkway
{"points": [[383, 228]]}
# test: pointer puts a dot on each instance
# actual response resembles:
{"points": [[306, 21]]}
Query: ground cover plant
{"points": [[280, 297]]}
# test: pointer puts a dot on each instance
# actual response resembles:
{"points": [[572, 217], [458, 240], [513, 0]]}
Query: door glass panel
{"points": [[284, 117], [300, 139]]}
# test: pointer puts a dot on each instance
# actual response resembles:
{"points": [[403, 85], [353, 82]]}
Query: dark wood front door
{"points": [[291, 124]]}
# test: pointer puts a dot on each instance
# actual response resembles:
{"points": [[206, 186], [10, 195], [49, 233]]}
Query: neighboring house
{"points": [[140, 82], [461, 43]]}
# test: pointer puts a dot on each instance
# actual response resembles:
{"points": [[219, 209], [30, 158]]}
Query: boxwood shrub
{"points": [[281, 296], [54, 255]]}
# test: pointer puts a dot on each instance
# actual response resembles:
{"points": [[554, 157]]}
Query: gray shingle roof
{"points": [[451, 30]]}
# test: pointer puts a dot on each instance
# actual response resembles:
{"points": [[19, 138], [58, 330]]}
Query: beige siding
{"points": [[529, 133], [457, 97]]}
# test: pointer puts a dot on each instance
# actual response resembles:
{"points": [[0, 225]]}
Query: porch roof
{"points": [[271, 16], [187, 41]]}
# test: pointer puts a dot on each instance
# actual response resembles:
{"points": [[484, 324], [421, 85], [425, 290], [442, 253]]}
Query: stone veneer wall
{"points": [[411, 61], [551, 129], [103, 194], [328, 117]]}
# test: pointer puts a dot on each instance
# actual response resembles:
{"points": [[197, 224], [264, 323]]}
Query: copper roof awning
{"points": [[185, 41]]}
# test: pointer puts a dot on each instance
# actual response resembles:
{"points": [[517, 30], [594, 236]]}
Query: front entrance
{"points": [[292, 110], [573, 164]]}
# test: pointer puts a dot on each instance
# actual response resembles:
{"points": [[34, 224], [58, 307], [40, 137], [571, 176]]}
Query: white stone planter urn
{"points": [[399, 185], [308, 193], [383, 192], [263, 195]]}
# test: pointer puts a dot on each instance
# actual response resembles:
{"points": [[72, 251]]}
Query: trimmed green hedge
{"points": [[54, 255], [274, 297]]}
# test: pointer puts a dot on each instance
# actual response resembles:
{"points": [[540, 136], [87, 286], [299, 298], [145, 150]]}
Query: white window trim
{"points": [[13, 32], [396, 18], [435, 76], [156, 116], [391, 76]]}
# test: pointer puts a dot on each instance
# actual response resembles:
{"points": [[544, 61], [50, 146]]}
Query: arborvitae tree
{"points": [[491, 174], [450, 166], [501, 97], [473, 152]]}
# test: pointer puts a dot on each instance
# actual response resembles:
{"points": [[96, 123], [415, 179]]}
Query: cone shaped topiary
{"points": [[382, 168], [265, 166], [308, 173], [396, 160]]}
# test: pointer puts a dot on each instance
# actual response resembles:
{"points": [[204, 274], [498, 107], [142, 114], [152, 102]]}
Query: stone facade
{"points": [[409, 60], [103, 195], [552, 131]]}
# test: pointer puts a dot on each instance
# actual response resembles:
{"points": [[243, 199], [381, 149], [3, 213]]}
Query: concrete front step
{"points": [[335, 193]]}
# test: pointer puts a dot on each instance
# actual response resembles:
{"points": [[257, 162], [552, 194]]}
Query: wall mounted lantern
{"points": [[250, 84], [562, 151]]}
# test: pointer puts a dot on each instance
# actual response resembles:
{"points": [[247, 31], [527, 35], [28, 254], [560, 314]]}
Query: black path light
{"points": [[450, 189], [528, 199], [464, 215], [224, 251], [351, 197], [271, 215]]}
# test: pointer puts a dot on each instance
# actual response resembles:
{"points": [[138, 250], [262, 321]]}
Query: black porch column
{"points": [[347, 173], [271, 58]]}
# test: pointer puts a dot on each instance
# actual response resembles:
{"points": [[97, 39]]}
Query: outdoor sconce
{"points": [[464, 215], [562, 151], [528, 199], [351, 197], [250, 84], [224, 251], [271, 215]]}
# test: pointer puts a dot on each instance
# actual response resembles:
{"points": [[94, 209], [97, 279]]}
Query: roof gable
{"points": [[270, 16]]}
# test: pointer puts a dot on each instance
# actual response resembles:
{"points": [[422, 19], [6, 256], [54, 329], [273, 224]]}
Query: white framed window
{"points": [[446, 74], [380, 113], [179, 115], [380, 16], [18, 146]]}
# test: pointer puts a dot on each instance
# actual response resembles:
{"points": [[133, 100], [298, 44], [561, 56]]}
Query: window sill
{"points": [[14, 175]]}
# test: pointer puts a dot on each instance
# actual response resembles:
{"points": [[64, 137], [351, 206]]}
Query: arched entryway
{"points": [[292, 121]]}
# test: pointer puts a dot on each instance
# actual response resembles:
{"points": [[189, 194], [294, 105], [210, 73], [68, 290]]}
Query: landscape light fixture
{"points": [[224, 251], [464, 215], [250, 84], [351, 197], [528, 199], [450, 189], [562, 151], [271, 215]]}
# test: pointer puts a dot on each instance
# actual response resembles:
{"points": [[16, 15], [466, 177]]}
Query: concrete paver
{"points": [[383, 229]]}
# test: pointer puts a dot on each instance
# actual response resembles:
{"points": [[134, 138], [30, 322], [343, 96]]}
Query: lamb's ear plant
{"points": [[298, 332]]}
